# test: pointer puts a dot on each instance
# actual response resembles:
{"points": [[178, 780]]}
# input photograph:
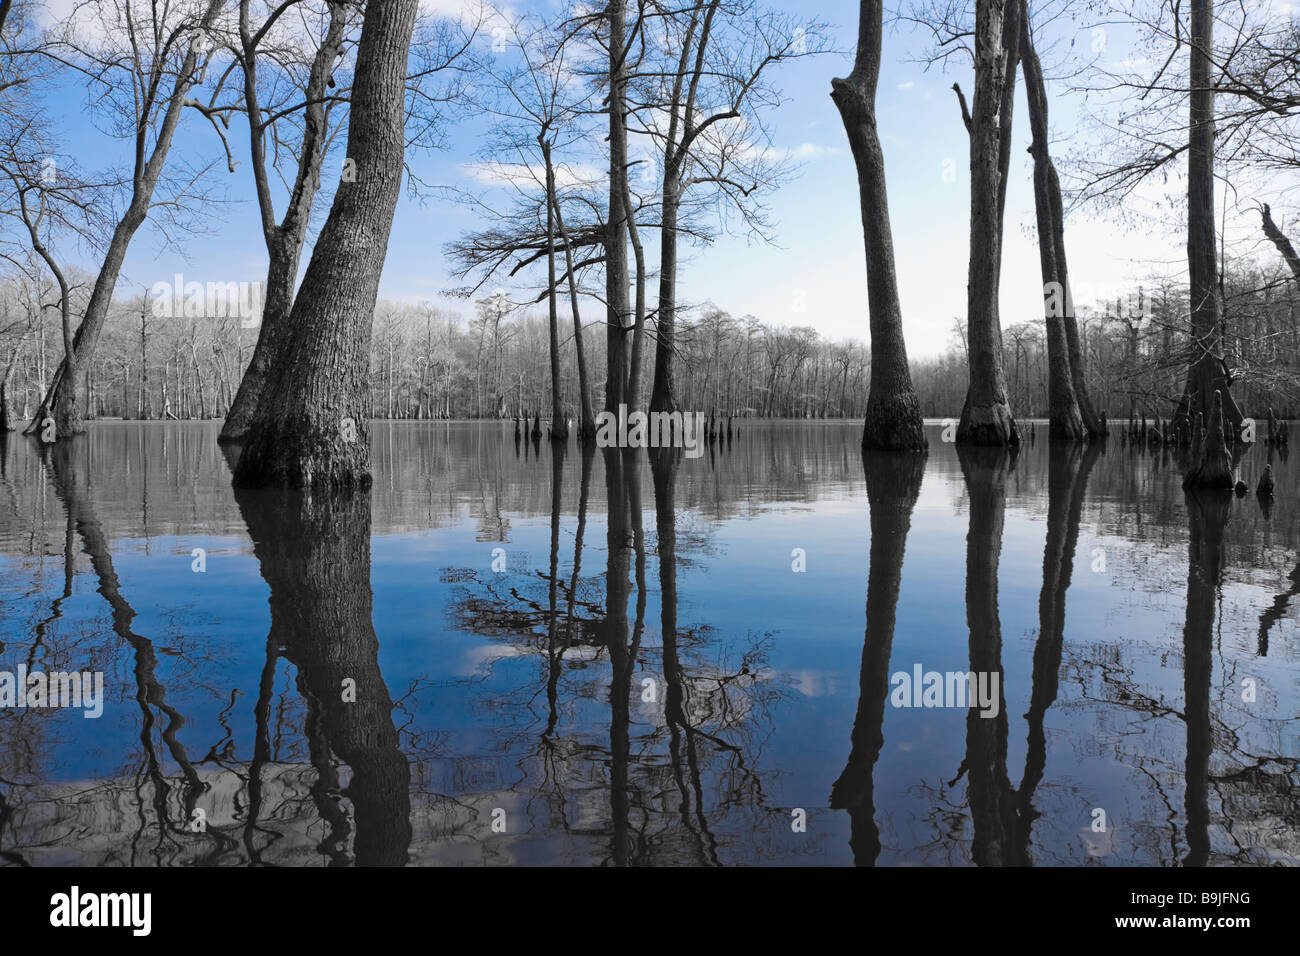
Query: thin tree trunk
{"points": [[1065, 421], [147, 173], [986, 417], [1208, 373], [663, 393], [559, 430], [616, 273], [893, 419], [587, 421], [638, 322]]}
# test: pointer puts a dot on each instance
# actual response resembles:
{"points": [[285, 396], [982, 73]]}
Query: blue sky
{"points": [[817, 259]]}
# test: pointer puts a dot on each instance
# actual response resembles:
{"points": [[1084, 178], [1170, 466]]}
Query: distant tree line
{"points": [[429, 362]]}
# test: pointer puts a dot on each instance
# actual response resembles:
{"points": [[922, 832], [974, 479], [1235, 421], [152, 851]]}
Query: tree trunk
{"points": [[284, 242], [893, 484], [61, 395], [1208, 373], [277, 303], [559, 430], [1065, 420], [314, 553], [638, 322], [663, 395], [587, 421], [986, 417], [314, 430], [616, 271], [893, 419], [1212, 461], [1279, 239]]}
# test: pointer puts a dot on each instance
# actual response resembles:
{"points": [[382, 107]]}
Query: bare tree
{"points": [[1207, 379], [146, 80], [986, 418], [704, 110], [315, 432], [1065, 419], [284, 239], [893, 419]]}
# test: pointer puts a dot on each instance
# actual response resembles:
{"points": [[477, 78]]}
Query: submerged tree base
{"points": [[989, 425], [304, 454], [1211, 461], [894, 424], [1067, 425]]}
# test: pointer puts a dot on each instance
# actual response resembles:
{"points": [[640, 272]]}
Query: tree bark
{"points": [[1065, 420], [314, 429], [1279, 239], [559, 427], [1208, 373], [616, 269], [587, 421], [986, 417], [285, 240], [893, 419]]}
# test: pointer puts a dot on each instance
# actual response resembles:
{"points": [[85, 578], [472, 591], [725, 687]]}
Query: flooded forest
{"points": [[632, 433]]}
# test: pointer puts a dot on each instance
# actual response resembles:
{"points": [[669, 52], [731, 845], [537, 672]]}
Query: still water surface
{"points": [[503, 655]]}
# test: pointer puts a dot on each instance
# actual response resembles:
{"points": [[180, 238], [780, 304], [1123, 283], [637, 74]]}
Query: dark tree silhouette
{"points": [[893, 484], [314, 553], [992, 800]]}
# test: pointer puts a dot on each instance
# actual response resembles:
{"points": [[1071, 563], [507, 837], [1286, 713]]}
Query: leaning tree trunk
{"points": [[61, 396], [311, 429], [986, 417], [1208, 373], [1280, 241], [893, 419], [1065, 420], [285, 241], [271, 335]]}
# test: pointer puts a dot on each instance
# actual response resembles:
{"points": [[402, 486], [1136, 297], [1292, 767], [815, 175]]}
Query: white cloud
{"points": [[524, 176]]}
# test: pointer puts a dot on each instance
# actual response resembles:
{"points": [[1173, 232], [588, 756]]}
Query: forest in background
{"points": [[608, 131], [429, 362]]}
